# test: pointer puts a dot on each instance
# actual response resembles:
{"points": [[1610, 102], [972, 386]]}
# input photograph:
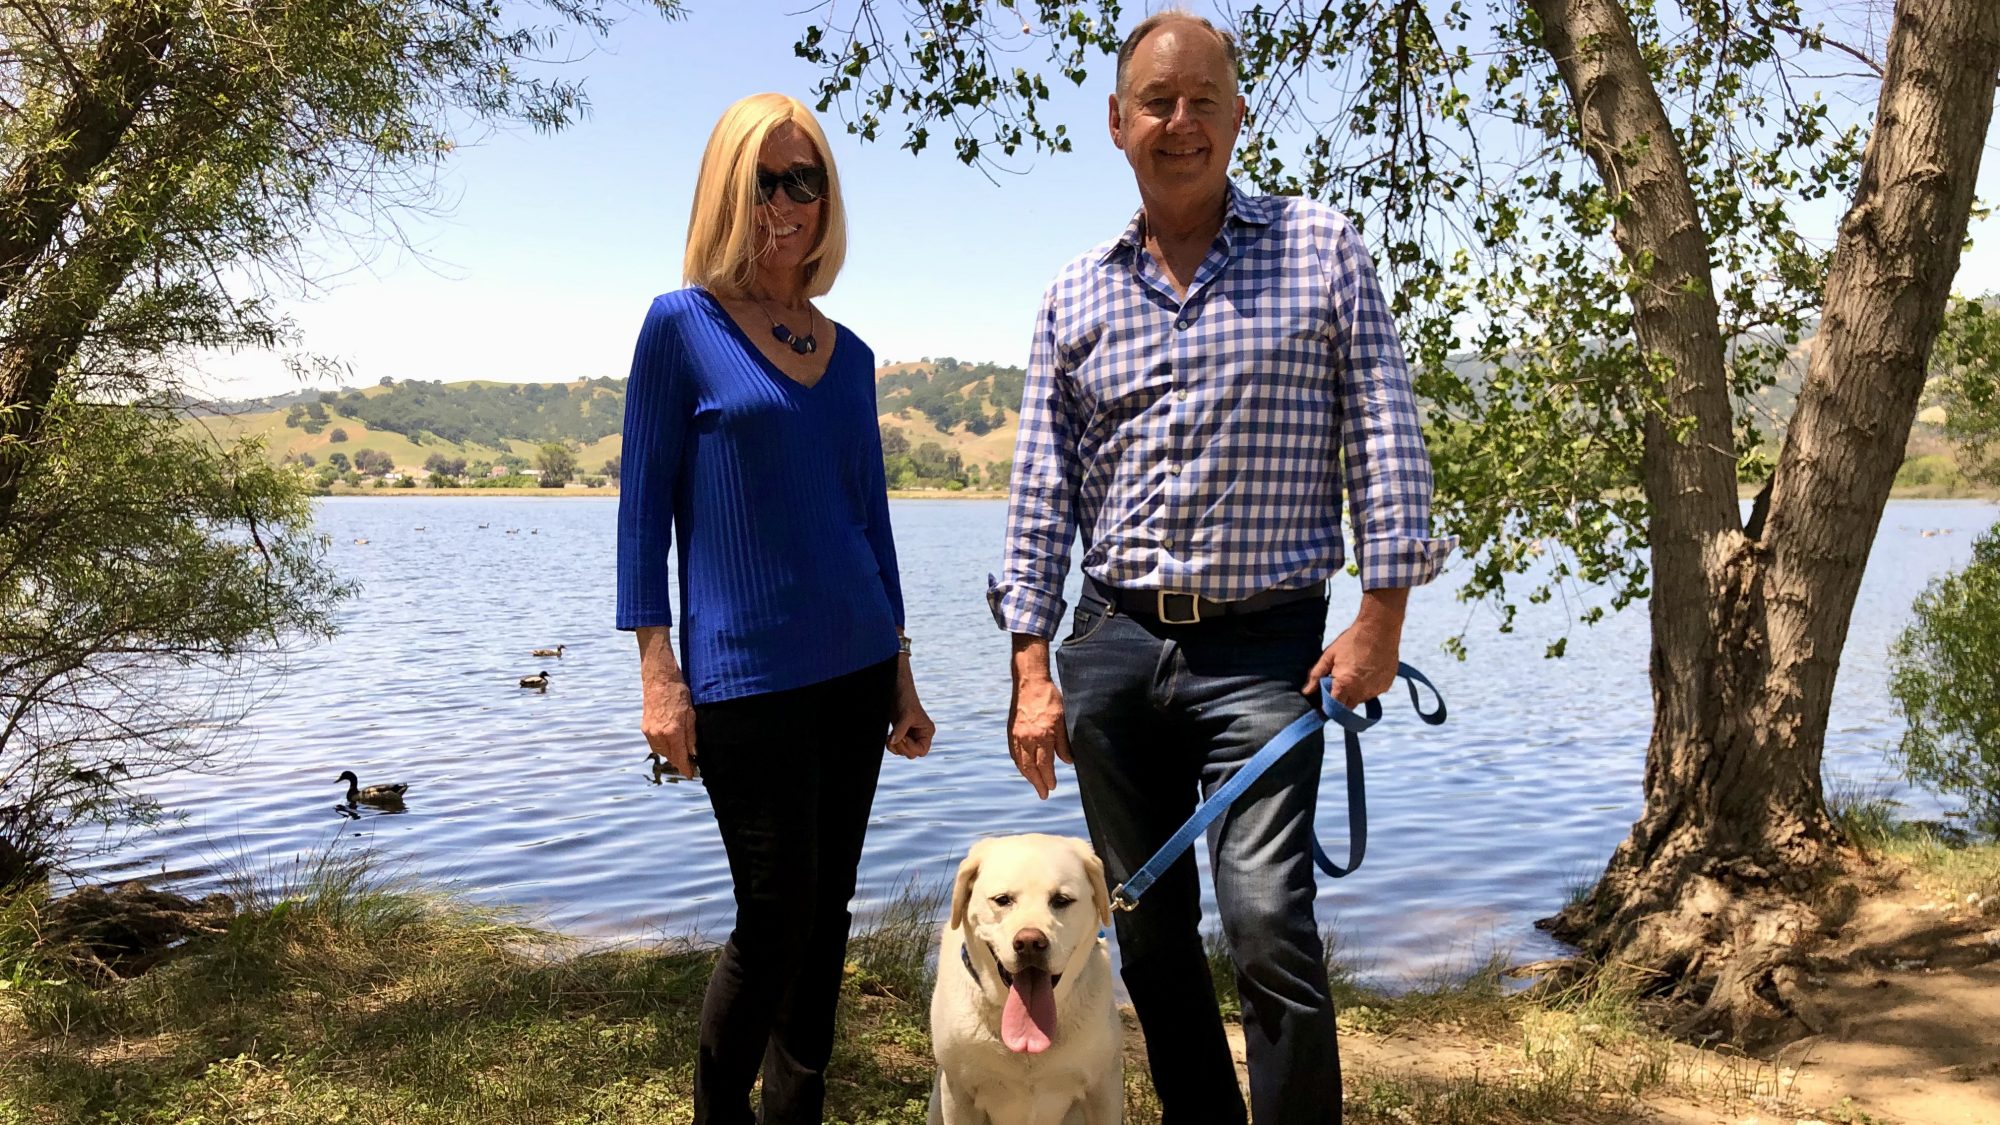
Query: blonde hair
{"points": [[722, 246]]}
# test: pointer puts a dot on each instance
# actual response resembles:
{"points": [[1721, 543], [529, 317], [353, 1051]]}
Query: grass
{"points": [[336, 997], [336, 993], [1944, 856]]}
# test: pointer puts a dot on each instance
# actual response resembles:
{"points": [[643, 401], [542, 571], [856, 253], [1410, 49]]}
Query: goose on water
{"points": [[539, 681], [381, 796]]}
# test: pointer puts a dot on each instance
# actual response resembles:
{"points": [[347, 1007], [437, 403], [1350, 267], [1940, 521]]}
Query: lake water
{"points": [[545, 801]]}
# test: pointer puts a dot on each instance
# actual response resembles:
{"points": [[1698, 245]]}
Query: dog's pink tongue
{"points": [[1029, 1021]]}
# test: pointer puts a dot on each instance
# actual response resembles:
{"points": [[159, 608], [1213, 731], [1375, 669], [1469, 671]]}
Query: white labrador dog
{"points": [[1022, 1018]]}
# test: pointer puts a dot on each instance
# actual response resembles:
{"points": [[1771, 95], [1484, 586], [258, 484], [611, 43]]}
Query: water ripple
{"points": [[545, 801]]}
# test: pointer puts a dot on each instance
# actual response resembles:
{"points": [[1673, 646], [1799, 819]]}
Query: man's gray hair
{"points": [[1153, 23]]}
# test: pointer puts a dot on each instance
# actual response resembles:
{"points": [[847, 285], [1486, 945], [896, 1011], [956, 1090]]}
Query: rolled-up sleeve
{"points": [[1386, 468], [656, 419], [1041, 496]]}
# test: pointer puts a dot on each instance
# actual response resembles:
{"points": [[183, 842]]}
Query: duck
{"points": [[483, 527], [381, 796], [513, 531], [539, 681], [361, 542], [555, 652]]}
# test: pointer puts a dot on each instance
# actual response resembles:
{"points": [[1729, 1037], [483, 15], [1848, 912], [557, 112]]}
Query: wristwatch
{"points": [[903, 645]]}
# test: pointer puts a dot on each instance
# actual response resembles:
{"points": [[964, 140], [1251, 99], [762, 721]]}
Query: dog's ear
{"points": [[1100, 892], [961, 891]]}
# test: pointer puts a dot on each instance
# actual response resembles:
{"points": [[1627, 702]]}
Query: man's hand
{"points": [[1362, 659], [666, 714], [1036, 734]]}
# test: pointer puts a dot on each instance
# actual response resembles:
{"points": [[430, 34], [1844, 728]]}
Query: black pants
{"points": [[791, 775]]}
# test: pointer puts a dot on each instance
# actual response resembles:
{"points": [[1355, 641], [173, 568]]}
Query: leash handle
{"points": [[1126, 895], [1338, 712]]}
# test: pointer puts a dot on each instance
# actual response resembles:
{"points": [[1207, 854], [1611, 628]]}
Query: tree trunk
{"points": [[1712, 890]]}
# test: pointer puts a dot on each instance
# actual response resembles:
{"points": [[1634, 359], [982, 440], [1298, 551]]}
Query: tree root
{"points": [[1726, 949]]}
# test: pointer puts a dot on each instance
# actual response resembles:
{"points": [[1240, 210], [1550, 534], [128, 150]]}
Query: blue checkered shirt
{"points": [[1202, 444]]}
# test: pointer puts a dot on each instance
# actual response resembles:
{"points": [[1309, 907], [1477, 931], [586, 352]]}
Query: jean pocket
{"points": [[1090, 616]]}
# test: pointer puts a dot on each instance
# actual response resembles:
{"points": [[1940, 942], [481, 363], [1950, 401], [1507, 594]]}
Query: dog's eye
{"points": [[1060, 900], [1003, 900]]}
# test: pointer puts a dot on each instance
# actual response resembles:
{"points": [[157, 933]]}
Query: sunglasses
{"points": [[802, 184]]}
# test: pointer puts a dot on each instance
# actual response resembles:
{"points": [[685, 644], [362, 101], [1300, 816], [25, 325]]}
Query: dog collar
{"points": [[965, 955]]}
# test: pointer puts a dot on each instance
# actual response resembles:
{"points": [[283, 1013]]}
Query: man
{"points": [[1198, 391]]}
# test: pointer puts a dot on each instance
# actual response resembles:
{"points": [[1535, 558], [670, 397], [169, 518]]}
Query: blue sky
{"points": [[554, 245]]}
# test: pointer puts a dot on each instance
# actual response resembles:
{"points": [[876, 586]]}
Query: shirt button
{"points": [[1182, 323], [1174, 468], [1167, 542], [1181, 395]]}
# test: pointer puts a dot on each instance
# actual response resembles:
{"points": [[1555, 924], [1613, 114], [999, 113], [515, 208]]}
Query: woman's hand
{"points": [[666, 714], [910, 736]]}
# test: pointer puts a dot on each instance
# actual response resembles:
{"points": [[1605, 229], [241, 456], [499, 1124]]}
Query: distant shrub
{"points": [[1930, 470], [407, 482], [1945, 676], [337, 436]]}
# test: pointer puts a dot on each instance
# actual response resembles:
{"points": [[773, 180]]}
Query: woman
{"points": [[750, 437]]}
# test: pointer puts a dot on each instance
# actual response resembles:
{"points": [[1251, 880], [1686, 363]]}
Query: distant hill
{"points": [[966, 411], [945, 422], [478, 420], [487, 413]]}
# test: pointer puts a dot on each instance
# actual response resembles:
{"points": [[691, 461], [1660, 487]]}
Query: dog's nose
{"points": [[1031, 941]]}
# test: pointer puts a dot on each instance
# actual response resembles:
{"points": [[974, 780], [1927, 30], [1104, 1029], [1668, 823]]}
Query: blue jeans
{"points": [[1158, 713]]}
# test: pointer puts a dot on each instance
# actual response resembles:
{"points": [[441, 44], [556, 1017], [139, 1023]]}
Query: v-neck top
{"points": [[771, 494]]}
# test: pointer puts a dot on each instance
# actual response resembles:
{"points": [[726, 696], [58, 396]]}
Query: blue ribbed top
{"points": [[773, 495]]}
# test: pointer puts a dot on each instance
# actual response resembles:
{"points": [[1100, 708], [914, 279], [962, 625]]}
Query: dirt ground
{"points": [[1907, 1002]]}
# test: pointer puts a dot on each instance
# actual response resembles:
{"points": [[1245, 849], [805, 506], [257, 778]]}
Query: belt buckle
{"points": [[1166, 618]]}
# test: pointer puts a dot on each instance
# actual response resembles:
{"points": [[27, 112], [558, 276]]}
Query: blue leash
{"points": [[1126, 897]]}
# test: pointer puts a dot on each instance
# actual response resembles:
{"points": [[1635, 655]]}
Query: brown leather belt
{"points": [[1175, 607]]}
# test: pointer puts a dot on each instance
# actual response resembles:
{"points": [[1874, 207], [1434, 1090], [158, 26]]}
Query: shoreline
{"points": [[343, 991], [1985, 495]]}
